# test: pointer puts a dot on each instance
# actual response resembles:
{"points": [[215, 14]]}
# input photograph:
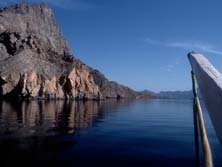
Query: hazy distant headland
{"points": [[170, 94], [36, 61]]}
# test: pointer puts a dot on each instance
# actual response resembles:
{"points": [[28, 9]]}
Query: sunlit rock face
{"points": [[36, 61]]}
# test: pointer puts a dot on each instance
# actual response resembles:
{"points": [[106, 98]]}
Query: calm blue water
{"points": [[109, 133]]}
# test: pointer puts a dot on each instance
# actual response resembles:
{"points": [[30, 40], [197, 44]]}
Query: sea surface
{"points": [[109, 133]]}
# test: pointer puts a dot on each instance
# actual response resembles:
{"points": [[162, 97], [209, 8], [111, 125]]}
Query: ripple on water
{"points": [[110, 133]]}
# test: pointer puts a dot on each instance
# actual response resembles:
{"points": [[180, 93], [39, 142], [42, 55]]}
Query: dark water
{"points": [[109, 133]]}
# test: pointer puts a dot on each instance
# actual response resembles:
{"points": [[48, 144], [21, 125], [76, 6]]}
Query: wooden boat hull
{"points": [[210, 85]]}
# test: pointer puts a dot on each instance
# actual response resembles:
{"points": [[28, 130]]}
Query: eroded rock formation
{"points": [[35, 60]]}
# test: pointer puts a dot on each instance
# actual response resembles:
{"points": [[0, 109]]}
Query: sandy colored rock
{"points": [[36, 61]]}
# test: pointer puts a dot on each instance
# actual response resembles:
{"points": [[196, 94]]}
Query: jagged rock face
{"points": [[112, 89], [35, 60], [24, 22]]}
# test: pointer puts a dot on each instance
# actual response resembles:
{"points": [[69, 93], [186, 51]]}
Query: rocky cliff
{"points": [[36, 61]]}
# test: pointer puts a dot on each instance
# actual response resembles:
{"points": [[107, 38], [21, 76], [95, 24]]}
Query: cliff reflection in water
{"points": [[50, 118]]}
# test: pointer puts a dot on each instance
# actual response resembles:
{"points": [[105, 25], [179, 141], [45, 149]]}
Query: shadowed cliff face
{"points": [[35, 60]]}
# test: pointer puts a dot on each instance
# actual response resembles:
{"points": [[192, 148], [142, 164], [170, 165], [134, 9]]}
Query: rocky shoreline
{"points": [[36, 61]]}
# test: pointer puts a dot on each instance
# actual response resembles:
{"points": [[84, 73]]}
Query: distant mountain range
{"points": [[170, 94]]}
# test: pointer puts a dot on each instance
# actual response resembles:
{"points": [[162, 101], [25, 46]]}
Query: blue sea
{"points": [[109, 133]]}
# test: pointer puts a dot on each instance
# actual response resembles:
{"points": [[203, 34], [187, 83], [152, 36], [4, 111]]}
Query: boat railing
{"points": [[209, 82], [198, 119]]}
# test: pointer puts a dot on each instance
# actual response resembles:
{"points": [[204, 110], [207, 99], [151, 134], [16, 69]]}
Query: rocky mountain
{"points": [[147, 94], [170, 94], [36, 61], [175, 95], [146, 91]]}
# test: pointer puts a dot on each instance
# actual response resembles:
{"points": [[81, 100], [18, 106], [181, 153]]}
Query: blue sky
{"points": [[141, 43]]}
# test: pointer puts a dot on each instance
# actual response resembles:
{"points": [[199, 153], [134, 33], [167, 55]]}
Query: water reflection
{"points": [[105, 133], [32, 133], [49, 118]]}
